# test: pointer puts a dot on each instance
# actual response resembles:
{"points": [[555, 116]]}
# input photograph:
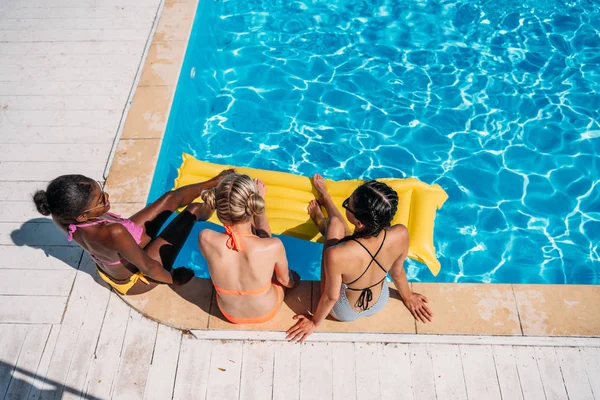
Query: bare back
{"points": [[247, 270], [351, 260]]}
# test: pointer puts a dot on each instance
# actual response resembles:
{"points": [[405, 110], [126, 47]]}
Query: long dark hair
{"points": [[375, 205], [66, 197]]}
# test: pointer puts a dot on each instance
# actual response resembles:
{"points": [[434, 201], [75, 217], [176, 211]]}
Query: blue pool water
{"points": [[496, 101]]}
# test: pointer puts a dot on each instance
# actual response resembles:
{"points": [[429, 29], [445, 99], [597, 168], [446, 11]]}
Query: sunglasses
{"points": [[102, 202], [346, 205]]}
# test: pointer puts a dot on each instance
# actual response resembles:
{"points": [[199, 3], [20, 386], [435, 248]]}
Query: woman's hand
{"points": [[303, 328], [182, 276], [417, 307]]}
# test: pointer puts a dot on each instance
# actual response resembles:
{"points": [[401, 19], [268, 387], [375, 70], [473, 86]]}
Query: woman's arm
{"points": [[415, 302], [282, 270], [122, 241], [333, 282]]}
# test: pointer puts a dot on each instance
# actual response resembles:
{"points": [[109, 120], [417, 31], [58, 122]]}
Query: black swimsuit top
{"points": [[366, 294]]}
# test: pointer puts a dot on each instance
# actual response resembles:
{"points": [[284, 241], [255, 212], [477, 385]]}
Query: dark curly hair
{"points": [[375, 205], [66, 197]]}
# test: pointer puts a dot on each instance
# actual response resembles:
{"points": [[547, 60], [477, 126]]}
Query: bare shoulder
{"points": [[399, 232], [271, 243], [207, 236], [339, 254]]}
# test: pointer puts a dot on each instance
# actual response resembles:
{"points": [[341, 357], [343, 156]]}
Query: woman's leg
{"points": [[325, 201], [153, 216], [168, 244]]}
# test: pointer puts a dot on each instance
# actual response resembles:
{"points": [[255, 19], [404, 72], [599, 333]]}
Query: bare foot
{"points": [[314, 210], [320, 185], [262, 188]]}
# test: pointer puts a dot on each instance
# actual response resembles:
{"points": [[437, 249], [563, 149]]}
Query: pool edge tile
{"points": [[131, 171], [163, 63], [469, 309], [175, 22], [182, 307], [148, 115], [559, 310]]}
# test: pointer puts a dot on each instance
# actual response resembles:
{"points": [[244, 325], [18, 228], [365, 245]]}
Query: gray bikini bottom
{"points": [[343, 311]]}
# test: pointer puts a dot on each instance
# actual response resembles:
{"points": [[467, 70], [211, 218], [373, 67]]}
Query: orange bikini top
{"points": [[233, 243]]}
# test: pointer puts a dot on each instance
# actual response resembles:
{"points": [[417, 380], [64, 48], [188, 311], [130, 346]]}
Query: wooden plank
{"points": [[59, 74], [75, 23], [344, 378], [46, 12], [62, 118], [36, 282], [24, 4], [421, 367], [43, 258], [316, 371], [13, 337], [394, 371], [256, 380], [42, 368], [367, 371], [225, 371], [80, 48], [32, 152], [480, 372], [549, 368], [32, 309], [332, 337], [58, 367], [74, 35], [79, 89], [21, 211], [20, 191], [161, 376], [135, 358], [57, 134], [574, 373], [286, 371], [108, 349], [191, 381], [98, 294], [26, 365], [529, 375], [508, 375], [32, 234], [591, 357], [36, 171], [86, 102], [448, 372]]}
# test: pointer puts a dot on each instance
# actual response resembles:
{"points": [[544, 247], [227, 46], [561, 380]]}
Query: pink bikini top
{"points": [[135, 230]]}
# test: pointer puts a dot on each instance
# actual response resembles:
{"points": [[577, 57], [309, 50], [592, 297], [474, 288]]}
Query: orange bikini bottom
{"points": [[258, 320]]}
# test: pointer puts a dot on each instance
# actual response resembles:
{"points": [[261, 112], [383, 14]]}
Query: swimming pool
{"points": [[497, 103]]}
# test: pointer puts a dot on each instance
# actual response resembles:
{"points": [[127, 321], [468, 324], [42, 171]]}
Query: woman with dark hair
{"points": [[129, 255], [355, 266]]}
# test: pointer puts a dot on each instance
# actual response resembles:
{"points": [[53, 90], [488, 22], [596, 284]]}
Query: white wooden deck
{"points": [[66, 71]]}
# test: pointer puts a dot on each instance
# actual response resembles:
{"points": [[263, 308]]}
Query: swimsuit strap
{"points": [[366, 295], [73, 227], [263, 289], [233, 241], [372, 258]]}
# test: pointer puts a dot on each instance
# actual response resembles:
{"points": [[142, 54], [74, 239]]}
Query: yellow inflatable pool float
{"points": [[288, 196]]}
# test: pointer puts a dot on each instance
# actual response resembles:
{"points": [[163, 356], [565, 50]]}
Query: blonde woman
{"points": [[247, 266]]}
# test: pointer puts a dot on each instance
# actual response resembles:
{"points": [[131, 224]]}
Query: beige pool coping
{"points": [[461, 309]]}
